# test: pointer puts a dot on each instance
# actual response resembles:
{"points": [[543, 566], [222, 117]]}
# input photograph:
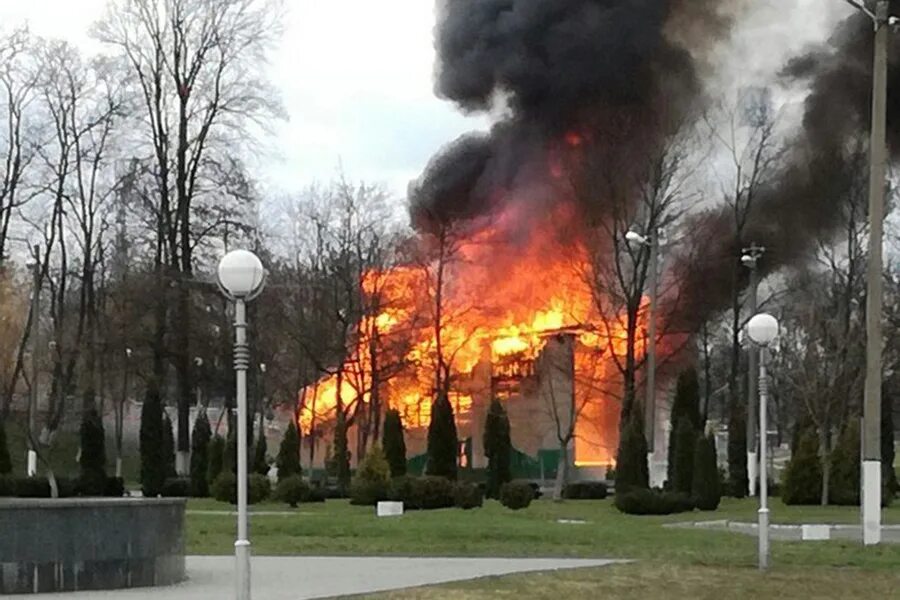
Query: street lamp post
{"points": [[871, 430], [242, 278], [763, 329], [750, 258], [652, 241]]}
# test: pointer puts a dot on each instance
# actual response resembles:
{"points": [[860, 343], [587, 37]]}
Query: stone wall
{"points": [[49, 545]]}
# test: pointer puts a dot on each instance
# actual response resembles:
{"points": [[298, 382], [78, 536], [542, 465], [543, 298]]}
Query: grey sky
{"points": [[356, 78]]}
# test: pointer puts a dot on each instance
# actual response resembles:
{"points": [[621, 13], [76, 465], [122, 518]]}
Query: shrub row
{"points": [[642, 501], [224, 488], [585, 490], [39, 487]]}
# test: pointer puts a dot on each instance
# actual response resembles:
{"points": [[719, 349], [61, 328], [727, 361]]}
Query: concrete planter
{"points": [[51, 545]]}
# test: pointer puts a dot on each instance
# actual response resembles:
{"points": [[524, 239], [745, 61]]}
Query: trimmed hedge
{"points": [[258, 488], [585, 490], [422, 493], [39, 487], [292, 490], [638, 501], [224, 488], [365, 492], [176, 487], [467, 495], [516, 495]]}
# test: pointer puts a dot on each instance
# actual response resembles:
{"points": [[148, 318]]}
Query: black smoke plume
{"points": [[553, 66], [802, 204]]}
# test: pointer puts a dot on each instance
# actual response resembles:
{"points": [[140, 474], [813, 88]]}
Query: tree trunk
{"points": [[562, 471]]}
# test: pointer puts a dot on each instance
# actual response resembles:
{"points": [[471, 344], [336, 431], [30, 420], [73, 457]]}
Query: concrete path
{"points": [[296, 578], [890, 534]]}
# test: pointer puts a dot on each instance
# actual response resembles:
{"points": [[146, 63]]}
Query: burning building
{"points": [[500, 294]]}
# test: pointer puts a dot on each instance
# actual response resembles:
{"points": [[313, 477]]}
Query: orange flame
{"points": [[512, 280]]}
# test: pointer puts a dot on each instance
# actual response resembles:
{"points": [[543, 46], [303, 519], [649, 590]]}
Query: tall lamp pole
{"points": [[763, 329], [652, 242], [749, 258], [242, 278], [871, 433]]}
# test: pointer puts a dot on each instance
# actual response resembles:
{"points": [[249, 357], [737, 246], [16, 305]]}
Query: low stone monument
{"points": [[56, 545]]}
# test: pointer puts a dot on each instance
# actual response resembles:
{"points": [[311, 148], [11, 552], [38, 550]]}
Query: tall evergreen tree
{"points": [[686, 446], [200, 441], [229, 455], [843, 480], [393, 443], [802, 481], [443, 443], [151, 441], [93, 453], [216, 456], [5, 460], [260, 462], [737, 455], [497, 448], [631, 464], [341, 453], [685, 405], [288, 460], [168, 447], [706, 489]]}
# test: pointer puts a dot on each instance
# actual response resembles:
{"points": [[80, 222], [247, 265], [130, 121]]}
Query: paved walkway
{"points": [[890, 534], [296, 578]]}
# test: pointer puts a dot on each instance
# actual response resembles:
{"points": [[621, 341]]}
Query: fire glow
{"points": [[514, 279]]}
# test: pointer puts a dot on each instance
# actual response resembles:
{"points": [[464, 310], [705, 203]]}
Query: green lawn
{"points": [[645, 579], [686, 563], [336, 528]]}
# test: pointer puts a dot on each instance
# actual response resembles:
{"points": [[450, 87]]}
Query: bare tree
{"points": [[196, 68], [18, 79], [748, 140]]}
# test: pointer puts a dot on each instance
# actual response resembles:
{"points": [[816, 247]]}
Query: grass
{"points": [[686, 563], [667, 580], [336, 528]]}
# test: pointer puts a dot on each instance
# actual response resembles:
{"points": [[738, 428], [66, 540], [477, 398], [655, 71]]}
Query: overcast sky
{"points": [[356, 78]]}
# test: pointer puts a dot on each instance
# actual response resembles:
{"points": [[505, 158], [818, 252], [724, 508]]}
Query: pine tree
{"points": [[631, 464], [288, 460], [229, 454], [737, 453], [706, 489], [843, 480], [260, 462], [443, 443], [686, 404], [341, 453], [5, 460], [168, 447], [151, 441], [393, 442], [200, 443], [93, 454], [497, 448], [686, 445], [216, 457], [803, 474]]}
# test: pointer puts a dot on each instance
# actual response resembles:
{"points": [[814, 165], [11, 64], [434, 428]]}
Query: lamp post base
{"points": [[763, 524], [871, 502], [242, 556]]}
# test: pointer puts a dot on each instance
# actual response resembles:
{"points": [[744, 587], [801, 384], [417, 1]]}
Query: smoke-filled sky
{"points": [[356, 78]]}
